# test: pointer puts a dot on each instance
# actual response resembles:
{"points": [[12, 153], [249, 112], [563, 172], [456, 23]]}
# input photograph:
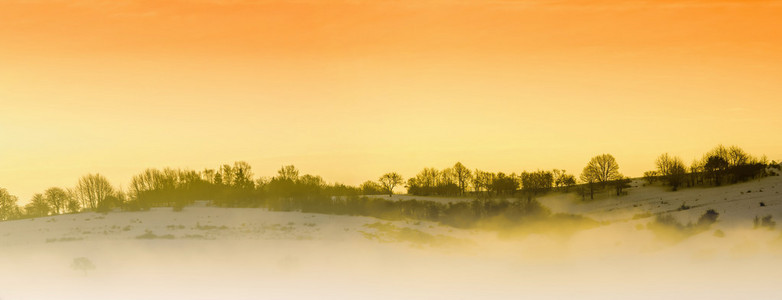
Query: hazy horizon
{"points": [[350, 90]]}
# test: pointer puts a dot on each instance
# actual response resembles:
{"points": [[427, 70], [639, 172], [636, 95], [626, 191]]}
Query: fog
{"points": [[251, 253]]}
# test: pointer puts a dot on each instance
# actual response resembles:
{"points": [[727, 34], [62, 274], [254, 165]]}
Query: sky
{"points": [[350, 90]]}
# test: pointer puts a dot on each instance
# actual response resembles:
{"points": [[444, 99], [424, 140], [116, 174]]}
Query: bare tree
{"points": [[243, 175], [288, 172], [93, 190], [57, 199], [446, 176], [389, 181], [463, 176], [8, 207], [533, 183], [715, 167], [672, 169], [38, 207], [483, 180], [563, 179], [602, 168], [227, 175], [734, 155], [72, 206], [737, 156], [664, 162]]}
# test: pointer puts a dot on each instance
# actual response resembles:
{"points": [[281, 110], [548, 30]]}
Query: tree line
{"points": [[461, 181], [721, 165], [235, 185]]}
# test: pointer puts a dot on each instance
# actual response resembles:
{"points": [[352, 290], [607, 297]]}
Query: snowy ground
{"points": [[221, 253], [737, 204]]}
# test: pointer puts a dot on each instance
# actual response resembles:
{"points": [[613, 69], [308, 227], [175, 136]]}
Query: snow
{"points": [[248, 253]]}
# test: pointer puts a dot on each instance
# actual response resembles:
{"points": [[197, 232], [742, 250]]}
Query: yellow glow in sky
{"points": [[352, 89]]}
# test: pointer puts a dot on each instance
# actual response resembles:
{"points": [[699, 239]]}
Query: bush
{"points": [[666, 227], [708, 218], [766, 221]]}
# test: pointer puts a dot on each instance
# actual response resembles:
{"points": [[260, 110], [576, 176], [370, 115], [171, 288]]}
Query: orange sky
{"points": [[352, 89]]}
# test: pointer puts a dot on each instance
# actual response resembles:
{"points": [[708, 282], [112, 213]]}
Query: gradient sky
{"points": [[352, 89]]}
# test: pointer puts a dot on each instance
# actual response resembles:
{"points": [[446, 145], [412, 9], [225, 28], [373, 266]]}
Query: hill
{"points": [[250, 253]]}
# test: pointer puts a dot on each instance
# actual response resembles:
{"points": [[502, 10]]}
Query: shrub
{"points": [[766, 221], [666, 227], [708, 218]]}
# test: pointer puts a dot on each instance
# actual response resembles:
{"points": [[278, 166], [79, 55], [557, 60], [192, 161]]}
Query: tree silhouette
{"points": [[72, 206], [715, 167], [38, 207], [389, 181], [424, 183], [57, 199], [600, 169], [288, 172], [504, 184], [370, 187], [242, 175], [8, 207], [737, 156], [535, 182], [672, 169], [563, 179], [483, 180], [93, 190], [463, 176]]}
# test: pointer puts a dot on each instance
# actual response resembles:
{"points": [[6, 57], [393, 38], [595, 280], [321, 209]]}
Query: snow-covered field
{"points": [[225, 253]]}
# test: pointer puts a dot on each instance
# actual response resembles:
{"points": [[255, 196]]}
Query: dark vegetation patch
{"points": [[197, 237], [389, 233], [209, 227], [149, 235], [64, 239], [669, 229], [765, 222]]}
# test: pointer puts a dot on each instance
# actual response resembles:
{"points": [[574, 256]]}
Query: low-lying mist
{"points": [[703, 243], [245, 253]]}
